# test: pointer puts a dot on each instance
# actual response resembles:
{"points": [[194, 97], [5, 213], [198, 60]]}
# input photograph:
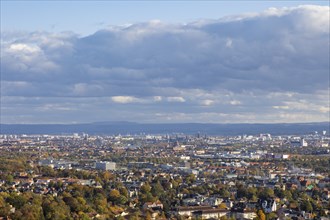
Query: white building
{"points": [[105, 165], [303, 143]]}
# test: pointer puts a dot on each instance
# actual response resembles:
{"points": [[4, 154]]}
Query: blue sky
{"points": [[165, 61], [86, 17]]}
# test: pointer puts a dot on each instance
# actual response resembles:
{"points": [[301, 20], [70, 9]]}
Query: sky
{"points": [[164, 61]]}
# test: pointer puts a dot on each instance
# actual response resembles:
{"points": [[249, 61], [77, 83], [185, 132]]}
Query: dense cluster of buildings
{"points": [[261, 161]]}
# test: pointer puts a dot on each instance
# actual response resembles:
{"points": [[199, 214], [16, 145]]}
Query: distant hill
{"points": [[104, 128]]}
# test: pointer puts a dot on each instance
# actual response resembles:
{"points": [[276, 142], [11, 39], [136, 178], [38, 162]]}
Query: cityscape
{"points": [[172, 176], [165, 110]]}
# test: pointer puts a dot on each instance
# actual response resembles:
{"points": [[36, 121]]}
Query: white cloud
{"points": [[157, 98], [229, 43], [270, 63], [84, 89], [54, 107], [124, 99], [324, 109], [235, 102], [24, 48], [281, 107], [176, 99], [207, 102]]}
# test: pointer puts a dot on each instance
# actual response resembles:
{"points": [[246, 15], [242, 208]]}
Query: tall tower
{"points": [[303, 143]]}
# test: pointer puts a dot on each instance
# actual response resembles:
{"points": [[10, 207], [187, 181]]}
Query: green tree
{"points": [[251, 193], [191, 178], [266, 193], [224, 192], [9, 179], [241, 191], [157, 189], [55, 209], [306, 206], [271, 216], [123, 191], [117, 198], [73, 203], [18, 201], [145, 188], [32, 212], [100, 203], [4, 207], [48, 171], [114, 194]]}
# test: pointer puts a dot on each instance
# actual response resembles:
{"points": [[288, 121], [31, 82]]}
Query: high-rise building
{"points": [[303, 143]]}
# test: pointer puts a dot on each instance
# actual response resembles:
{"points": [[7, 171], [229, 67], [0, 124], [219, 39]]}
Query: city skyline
{"points": [[255, 63]]}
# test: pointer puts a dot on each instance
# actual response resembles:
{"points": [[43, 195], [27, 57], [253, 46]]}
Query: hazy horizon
{"points": [[157, 123]]}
